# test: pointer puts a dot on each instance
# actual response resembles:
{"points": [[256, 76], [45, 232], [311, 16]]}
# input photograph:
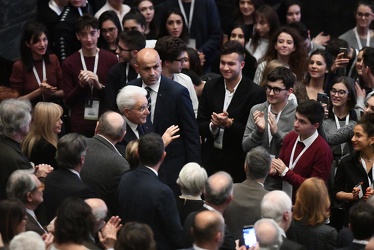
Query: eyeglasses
{"points": [[340, 92], [109, 30], [182, 60], [40, 187], [275, 90], [122, 49], [143, 108], [366, 15]]}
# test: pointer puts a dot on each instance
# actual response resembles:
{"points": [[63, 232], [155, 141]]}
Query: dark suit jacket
{"points": [[102, 170], [244, 209], [353, 246], [11, 159], [174, 107], [144, 198], [32, 225], [61, 184], [228, 240], [130, 136], [290, 245], [231, 157], [313, 238]]}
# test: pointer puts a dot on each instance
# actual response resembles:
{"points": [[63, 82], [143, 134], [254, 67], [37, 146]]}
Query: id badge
{"points": [[219, 139], [91, 109], [361, 193]]}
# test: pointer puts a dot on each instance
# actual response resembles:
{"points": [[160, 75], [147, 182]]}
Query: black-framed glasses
{"points": [[275, 90], [366, 15], [182, 60], [109, 30], [122, 49], [340, 92]]}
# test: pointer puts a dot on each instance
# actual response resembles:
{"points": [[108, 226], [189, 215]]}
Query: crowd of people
{"points": [[148, 125]]}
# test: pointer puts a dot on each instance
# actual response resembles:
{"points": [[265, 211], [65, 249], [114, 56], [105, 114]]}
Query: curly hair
{"points": [[298, 58]]}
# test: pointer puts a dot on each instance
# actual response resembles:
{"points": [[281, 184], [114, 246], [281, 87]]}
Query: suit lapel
{"points": [[240, 92], [160, 102], [220, 95]]}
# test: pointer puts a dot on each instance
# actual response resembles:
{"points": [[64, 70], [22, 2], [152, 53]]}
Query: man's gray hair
{"points": [[218, 188], [192, 178], [15, 116], [20, 183], [128, 95], [70, 149], [27, 241], [274, 204], [258, 163]]}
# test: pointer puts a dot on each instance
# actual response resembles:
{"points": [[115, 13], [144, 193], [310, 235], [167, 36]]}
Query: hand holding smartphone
{"points": [[249, 236]]}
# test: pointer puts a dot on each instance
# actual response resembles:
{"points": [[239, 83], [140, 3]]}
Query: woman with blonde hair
{"points": [[40, 144], [310, 213]]}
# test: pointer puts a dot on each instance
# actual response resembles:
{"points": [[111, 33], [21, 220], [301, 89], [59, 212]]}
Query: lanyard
{"points": [[80, 11], [358, 38], [372, 171], [276, 121], [338, 127], [36, 73], [292, 162], [188, 22], [95, 64], [353, 64]]}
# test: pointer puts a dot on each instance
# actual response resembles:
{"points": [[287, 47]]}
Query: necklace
{"points": [[368, 160]]}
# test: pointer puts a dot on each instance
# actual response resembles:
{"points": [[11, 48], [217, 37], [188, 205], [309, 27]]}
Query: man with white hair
{"points": [[277, 205], [268, 234], [15, 118]]}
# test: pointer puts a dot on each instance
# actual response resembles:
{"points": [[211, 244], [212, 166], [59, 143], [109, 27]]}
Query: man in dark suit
{"points": [[104, 165], [26, 187], [361, 221], [15, 118], [277, 205], [223, 112], [170, 104], [66, 182], [129, 44], [207, 230], [244, 209], [143, 198], [218, 194]]}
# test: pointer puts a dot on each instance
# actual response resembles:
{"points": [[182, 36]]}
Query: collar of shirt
{"points": [[282, 232], [75, 172], [198, 248], [109, 142], [308, 141], [154, 171], [133, 127], [154, 87], [53, 6], [236, 86], [31, 212]]}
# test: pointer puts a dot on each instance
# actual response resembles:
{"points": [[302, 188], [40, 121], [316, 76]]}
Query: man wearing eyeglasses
{"points": [[223, 112], [129, 44], [269, 122], [171, 51]]}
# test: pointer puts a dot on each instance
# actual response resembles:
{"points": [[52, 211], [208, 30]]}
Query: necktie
{"points": [[140, 130], [299, 147]]}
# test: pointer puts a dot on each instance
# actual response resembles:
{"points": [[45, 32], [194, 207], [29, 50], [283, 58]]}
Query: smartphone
{"points": [[323, 98], [345, 51], [249, 236]]}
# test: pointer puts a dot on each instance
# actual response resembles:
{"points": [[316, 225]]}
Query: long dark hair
{"points": [[12, 212], [105, 16], [31, 33], [271, 17], [163, 31], [239, 16]]}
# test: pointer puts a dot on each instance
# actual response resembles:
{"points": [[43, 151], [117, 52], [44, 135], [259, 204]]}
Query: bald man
{"points": [[208, 230], [170, 104], [103, 164], [268, 234]]}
